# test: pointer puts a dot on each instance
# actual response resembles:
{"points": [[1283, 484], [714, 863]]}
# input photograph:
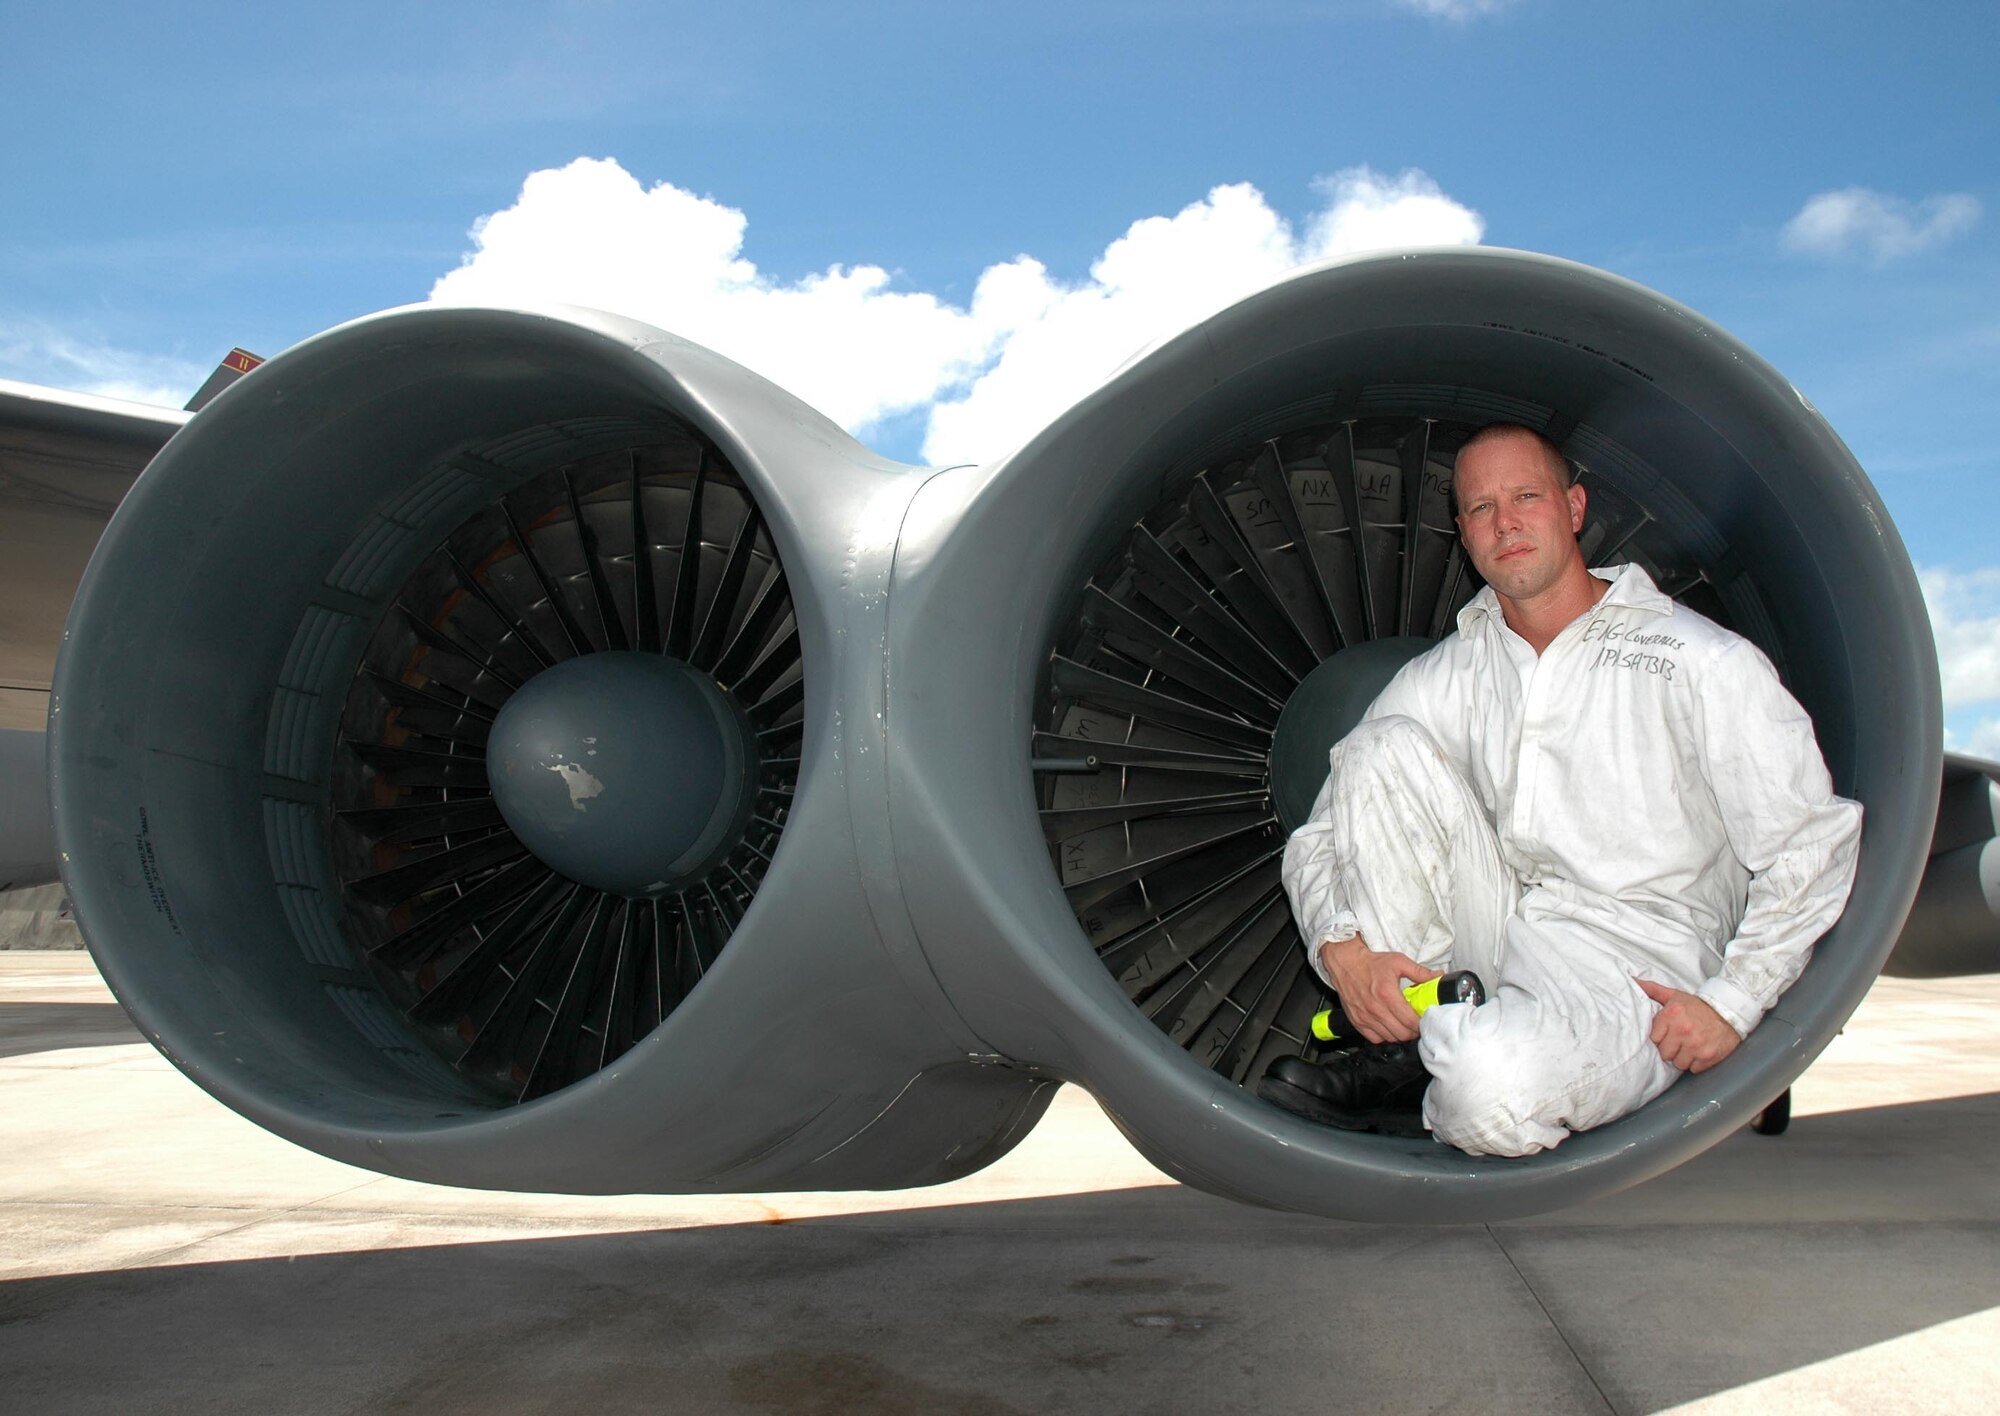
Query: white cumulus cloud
{"points": [[1163, 274], [1964, 609], [1858, 221], [842, 339], [986, 374], [1965, 617]]}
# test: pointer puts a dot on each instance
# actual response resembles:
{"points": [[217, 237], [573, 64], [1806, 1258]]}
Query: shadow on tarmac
{"points": [[42, 1027], [1854, 1229]]}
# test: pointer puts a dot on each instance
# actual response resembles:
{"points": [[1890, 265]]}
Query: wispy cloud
{"points": [[37, 353], [982, 375], [1457, 11], [1862, 223]]}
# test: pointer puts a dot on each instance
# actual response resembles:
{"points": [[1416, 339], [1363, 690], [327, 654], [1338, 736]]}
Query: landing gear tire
{"points": [[1775, 1118]]}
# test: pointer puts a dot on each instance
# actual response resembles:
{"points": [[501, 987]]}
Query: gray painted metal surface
{"points": [[577, 768], [27, 834], [1631, 384], [909, 978], [1323, 710], [65, 462], [803, 1037], [1951, 929]]}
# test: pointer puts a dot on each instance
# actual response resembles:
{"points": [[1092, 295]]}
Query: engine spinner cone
{"points": [[1322, 710], [624, 771]]}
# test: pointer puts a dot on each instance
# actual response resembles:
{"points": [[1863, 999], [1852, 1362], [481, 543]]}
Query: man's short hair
{"points": [[1565, 470]]}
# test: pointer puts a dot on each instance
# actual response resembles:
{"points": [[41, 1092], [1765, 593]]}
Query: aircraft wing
{"points": [[66, 461]]}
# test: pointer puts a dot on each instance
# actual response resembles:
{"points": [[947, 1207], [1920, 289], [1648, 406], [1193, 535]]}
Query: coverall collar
{"points": [[1631, 589]]}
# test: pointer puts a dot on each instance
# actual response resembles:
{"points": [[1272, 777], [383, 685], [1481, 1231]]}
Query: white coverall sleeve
{"points": [[1311, 871], [1798, 840]]}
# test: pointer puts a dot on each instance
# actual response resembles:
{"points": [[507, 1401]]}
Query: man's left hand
{"points": [[1690, 1035]]}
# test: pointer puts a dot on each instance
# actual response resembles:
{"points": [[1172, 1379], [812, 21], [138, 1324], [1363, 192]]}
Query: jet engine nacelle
{"points": [[286, 821], [527, 750]]}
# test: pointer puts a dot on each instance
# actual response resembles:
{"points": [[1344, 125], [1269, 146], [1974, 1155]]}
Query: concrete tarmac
{"points": [[157, 1253]]}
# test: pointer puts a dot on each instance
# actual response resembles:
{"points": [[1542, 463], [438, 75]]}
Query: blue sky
{"points": [[939, 185]]}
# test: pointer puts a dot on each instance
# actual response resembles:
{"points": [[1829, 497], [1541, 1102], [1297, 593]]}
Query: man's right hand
{"points": [[1370, 986]]}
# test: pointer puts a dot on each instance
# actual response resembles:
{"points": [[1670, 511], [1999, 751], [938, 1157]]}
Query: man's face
{"points": [[1517, 518]]}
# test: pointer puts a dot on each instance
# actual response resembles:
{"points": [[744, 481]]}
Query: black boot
{"points": [[1378, 1087]]}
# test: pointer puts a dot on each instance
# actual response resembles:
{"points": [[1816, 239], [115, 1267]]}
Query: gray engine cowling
{"points": [[977, 768]]}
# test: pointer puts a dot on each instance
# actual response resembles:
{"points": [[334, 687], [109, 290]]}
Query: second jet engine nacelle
{"points": [[526, 750], [1222, 553]]}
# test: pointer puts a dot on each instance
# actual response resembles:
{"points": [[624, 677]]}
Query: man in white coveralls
{"points": [[1602, 803]]}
